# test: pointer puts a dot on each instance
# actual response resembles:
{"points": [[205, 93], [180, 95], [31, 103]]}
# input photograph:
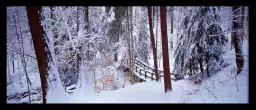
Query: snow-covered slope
{"points": [[223, 87]]}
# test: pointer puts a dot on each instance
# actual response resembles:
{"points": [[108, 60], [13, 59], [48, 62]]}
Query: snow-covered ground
{"points": [[223, 87]]}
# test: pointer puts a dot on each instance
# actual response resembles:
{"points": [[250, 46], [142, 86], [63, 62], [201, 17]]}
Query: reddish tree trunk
{"points": [[167, 78], [237, 41], [153, 41], [39, 44], [242, 23]]}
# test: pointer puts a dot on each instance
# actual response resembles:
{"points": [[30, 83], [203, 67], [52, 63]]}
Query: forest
{"points": [[127, 54]]}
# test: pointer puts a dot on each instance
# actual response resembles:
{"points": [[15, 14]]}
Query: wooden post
{"points": [[140, 72]]}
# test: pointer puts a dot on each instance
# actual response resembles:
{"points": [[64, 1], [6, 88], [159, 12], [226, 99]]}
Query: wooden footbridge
{"points": [[147, 73]]}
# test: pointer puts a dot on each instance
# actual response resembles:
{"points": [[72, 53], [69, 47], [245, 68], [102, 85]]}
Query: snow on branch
{"points": [[21, 53]]}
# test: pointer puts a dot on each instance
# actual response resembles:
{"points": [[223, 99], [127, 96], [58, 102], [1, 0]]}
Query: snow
{"points": [[220, 88], [184, 91]]}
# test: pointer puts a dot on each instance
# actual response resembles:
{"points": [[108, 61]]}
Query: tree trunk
{"points": [[237, 40], [77, 52], [167, 78], [129, 43], [77, 64], [8, 68], [242, 23], [87, 19], [153, 16], [13, 70], [157, 28], [87, 28], [17, 35], [201, 64], [25, 70], [77, 20], [39, 45], [207, 69], [132, 44], [153, 42], [171, 19], [190, 66], [115, 56]]}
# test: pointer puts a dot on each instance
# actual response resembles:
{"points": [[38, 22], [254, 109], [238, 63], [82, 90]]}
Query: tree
{"points": [[242, 23], [157, 29], [77, 19], [172, 16], [167, 79], [44, 51], [129, 45], [39, 44], [153, 42], [201, 41], [237, 39], [132, 54], [87, 19]]}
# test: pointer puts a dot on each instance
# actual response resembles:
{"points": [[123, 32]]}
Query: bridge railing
{"points": [[141, 67]]}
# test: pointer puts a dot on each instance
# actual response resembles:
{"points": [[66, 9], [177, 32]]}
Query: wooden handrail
{"points": [[145, 69], [147, 66]]}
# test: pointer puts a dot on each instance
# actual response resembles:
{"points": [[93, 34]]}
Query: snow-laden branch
{"points": [[13, 25], [18, 16], [49, 19], [21, 53], [69, 34]]}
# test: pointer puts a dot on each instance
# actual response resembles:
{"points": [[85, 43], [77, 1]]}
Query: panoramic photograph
{"points": [[127, 54]]}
